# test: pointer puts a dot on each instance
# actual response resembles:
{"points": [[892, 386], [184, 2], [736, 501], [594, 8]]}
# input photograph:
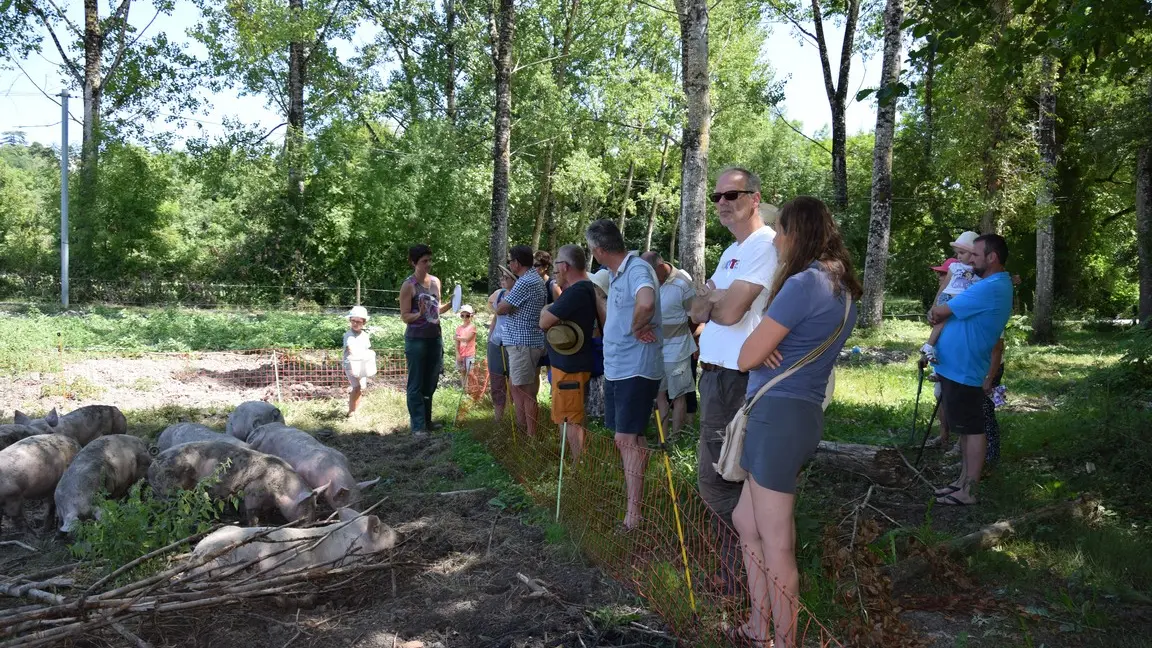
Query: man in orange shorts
{"points": [[568, 323]]}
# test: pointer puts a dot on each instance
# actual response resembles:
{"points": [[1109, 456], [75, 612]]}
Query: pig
{"points": [[355, 536], [111, 463], [267, 482], [250, 415], [182, 433], [83, 424], [10, 434], [30, 470], [315, 462]]}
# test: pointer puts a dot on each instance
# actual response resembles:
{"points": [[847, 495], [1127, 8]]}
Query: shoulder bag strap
{"points": [[812, 355]]}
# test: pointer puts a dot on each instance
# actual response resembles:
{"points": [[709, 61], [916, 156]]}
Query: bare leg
{"points": [[528, 405], [575, 441], [934, 336], [679, 414], [767, 529], [519, 405], [632, 447], [354, 399]]}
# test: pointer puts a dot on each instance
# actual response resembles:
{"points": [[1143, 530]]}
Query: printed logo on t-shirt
{"points": [[731, 265]]}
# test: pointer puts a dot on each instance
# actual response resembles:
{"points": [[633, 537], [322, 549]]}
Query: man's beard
{"points": [[979, 272]]}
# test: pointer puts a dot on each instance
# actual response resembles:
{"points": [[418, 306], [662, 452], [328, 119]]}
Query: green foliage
{"points": [[141, 523], [483, 471]]}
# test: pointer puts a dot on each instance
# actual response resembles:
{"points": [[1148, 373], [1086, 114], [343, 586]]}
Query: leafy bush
{"points": [[142, 523]]}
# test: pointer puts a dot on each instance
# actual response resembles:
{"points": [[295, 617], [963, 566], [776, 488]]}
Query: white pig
{"points": [[111, 463], [315, 462], [10, 433], [250, 415], [182, 433], [83, 424], [266, 482], [354, 537], [30, 470]]}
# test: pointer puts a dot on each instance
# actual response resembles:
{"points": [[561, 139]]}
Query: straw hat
{"points": [[600, 278], [565, 337]]}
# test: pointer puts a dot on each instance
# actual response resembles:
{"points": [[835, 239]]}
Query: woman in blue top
{"points": [[806, 307]]}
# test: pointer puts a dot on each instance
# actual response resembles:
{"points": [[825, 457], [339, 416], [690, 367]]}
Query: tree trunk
{"points": [[675, 235], [880, 225], [881, 465], [929, 116], [1144, 230], [693, 16], [1042, 331], [627, 195], [294, 139], [559, 73], [501, 27], [838, 96], [93, 92], [450, 61], [656, 199]]}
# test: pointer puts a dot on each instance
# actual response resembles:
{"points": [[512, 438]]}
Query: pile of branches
{"points": [[52, 617]]}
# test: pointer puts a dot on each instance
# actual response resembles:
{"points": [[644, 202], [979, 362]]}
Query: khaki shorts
{"points": [[677, 379], [522, 368], [568, 390]]}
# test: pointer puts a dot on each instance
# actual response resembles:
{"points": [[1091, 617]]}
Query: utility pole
{"points": [[64, 197]]}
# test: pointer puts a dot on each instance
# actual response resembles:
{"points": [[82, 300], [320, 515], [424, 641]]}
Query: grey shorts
{"points": [[782, 435], [522, 367], [677, 379]]}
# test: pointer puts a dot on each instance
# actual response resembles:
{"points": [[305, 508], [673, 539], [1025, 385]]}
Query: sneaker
{"points": [[419, 434], [435, 427], [929, 352]]}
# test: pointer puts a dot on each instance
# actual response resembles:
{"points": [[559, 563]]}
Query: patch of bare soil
{"points": [[456, 580]]}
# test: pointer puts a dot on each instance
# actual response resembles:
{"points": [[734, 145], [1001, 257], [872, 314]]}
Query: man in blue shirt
{"points": [[633, 353], [974, 320]]}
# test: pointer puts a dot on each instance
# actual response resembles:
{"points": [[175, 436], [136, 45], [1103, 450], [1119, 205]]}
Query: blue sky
{"points": [[24, 108]]}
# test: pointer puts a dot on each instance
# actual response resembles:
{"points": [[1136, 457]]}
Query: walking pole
{"points": [[676, 512], [927, 431], [916, 409], [560, 482]]}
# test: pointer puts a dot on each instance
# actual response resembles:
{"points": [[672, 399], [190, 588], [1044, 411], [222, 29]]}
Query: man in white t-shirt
{"points": [[676, 294], [732, 304]]}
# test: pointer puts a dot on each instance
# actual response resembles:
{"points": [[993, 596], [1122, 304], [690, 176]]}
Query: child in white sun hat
{"points": [[465, 344], [957, 278], [359, 358]]}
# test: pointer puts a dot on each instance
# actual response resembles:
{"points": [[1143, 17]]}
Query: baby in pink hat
{"points": [[956, 277]]}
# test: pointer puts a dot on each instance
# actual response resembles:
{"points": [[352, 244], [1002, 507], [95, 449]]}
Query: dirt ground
{"points": [[456, 581]]}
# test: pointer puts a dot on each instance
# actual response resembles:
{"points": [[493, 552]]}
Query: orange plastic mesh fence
{"points": [[650, 558]]}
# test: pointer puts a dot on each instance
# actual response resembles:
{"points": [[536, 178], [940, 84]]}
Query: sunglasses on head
{"points": [[728, 195]]}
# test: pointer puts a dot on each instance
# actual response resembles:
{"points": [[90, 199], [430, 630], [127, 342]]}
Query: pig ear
{"points": [[320, 489], [341, 494], [52, 418], [373, 524], [347, 514], [367, 484], [21, 418]]}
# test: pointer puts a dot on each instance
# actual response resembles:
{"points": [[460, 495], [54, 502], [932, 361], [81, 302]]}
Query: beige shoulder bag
{"points": [[728, 464]]}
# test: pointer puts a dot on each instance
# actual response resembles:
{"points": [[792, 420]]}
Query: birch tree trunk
{"points": [[294, 139], [501, 27], [693, 16], [1042, 331], [656, 200], [1144, 230], [838, 96], [450, 60], [559, 74], [93, 93], [627, 195], [880, 224]]}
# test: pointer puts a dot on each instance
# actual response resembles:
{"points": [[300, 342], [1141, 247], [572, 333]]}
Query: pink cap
{"points": [[943, 267]]}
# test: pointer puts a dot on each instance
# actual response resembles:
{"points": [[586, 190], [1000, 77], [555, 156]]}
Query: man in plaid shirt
{"points": [[522, 335]]}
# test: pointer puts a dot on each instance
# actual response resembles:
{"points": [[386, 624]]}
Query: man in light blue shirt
{"points": [[974, 321], [633, 353]]}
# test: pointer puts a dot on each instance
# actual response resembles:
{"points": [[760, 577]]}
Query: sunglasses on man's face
{"points": [[730, 196]]}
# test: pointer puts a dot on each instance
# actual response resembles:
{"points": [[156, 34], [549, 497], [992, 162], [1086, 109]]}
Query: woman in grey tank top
{"points": [[420, 309]]}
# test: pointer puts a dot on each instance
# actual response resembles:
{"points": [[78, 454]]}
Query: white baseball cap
{"points": [[467, 309], [358, 312]]}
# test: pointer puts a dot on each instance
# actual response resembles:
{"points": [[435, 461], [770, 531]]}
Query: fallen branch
{"points": [[880, 465], [22, 591], [1084, 507], [4, 543]]}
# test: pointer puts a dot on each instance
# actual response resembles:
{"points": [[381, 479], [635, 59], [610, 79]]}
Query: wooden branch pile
{"points": [[53, 617]]}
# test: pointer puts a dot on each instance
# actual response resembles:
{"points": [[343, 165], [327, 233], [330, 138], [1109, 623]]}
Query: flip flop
{"points": [[949, 500], [946, 490], [740, 636]]}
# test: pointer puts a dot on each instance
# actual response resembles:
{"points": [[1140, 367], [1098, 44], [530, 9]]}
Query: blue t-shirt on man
{"points": [[624, 355], [979, 315]]}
